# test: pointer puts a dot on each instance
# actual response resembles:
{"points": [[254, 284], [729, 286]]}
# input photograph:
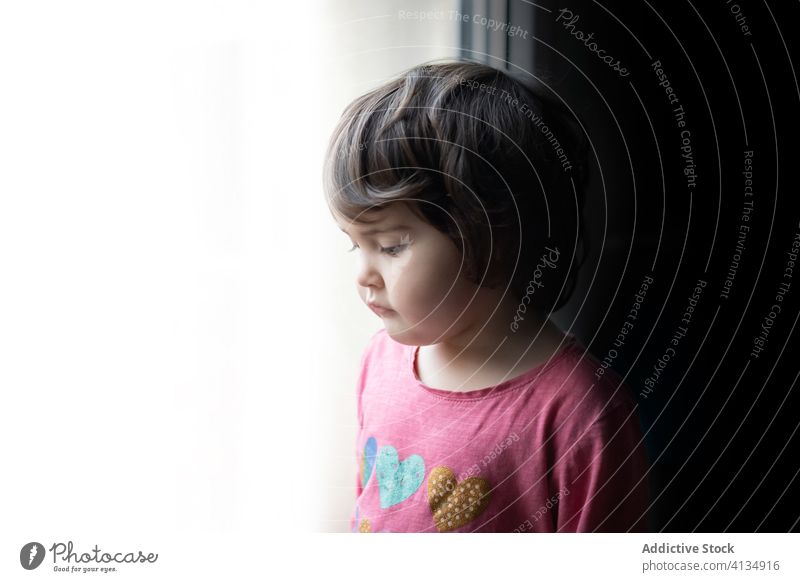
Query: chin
{"points": [[401, 338], [403, 335]]}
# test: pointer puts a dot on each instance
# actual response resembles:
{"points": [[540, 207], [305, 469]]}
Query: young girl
{"points": [[461, 188]]}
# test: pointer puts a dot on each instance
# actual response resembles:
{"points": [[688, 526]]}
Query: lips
{"points": [[380, 309]]}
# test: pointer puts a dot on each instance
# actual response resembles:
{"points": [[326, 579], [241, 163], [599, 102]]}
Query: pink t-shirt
{"points": [[554, 449]]}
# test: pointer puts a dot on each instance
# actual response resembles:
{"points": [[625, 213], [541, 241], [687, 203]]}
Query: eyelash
{"points": [[386, 250]]}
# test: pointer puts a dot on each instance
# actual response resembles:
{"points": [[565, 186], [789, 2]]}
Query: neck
{"points": [[488, 335]]}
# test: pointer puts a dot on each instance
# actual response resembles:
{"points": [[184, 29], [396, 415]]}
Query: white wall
{"points": [[179, 328]]}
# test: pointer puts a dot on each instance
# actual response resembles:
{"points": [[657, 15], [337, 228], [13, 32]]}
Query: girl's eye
{"points": [[393, 251]]}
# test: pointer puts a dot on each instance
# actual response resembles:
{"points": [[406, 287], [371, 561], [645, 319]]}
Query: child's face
{"points": [[415, 272]]}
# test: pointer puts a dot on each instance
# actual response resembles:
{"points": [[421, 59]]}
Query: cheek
{"points": [[428, 284]]}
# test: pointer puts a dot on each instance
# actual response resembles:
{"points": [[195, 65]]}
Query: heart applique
{"points": [[397, 481], [363, 524], [368, 459], [452, 503]]}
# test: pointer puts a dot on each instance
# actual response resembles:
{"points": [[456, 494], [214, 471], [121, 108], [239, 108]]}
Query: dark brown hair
{"points": [[485, 157]]}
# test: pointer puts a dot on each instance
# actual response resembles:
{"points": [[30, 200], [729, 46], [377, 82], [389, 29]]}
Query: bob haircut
{"points": [[486, 158]]}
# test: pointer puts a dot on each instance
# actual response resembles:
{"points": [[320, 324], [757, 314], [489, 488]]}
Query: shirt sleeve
{"points": [[602, 478]]}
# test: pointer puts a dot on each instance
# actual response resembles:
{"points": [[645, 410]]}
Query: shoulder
{"points": [[381, 351], [381, 360], [580, 399], [380, 344]]}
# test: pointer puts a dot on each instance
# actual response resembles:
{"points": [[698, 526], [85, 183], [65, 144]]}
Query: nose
{"points": [[368, 275]]}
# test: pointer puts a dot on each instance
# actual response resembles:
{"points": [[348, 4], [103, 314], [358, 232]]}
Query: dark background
{"points": [[720, 424]]}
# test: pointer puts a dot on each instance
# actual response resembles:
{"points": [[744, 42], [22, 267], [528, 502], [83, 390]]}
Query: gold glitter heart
{"points": [[365, 526], [452, 503]]}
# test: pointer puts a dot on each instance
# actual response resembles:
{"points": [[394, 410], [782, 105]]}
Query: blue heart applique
{"points": [[398, 481], [368, 459]]}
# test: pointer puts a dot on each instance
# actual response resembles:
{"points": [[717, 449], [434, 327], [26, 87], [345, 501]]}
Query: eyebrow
{"points": [[372, 231]]}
